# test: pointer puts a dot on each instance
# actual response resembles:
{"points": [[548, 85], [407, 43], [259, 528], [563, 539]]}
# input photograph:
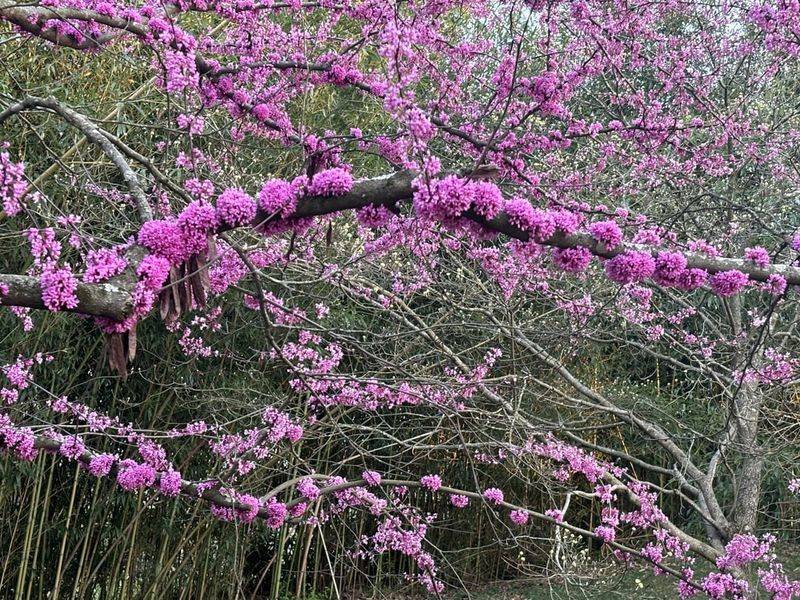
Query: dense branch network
{"points": [[515, 135]]}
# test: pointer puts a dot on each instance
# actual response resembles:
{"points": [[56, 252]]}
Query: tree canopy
{"points": [[390, 276]]}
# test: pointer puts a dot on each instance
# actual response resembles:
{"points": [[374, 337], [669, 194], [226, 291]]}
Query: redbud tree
{"points": [[407, 260]]}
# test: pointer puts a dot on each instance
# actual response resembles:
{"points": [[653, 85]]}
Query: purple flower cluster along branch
{"points": [[480, 249], [691, 271]]}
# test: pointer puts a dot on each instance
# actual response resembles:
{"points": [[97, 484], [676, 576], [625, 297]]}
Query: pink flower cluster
{"points": [[133, 476], [235, 207], [371, 478], [103, 264], [152, 272], [431, 482], [741, 551], [245, 513], [278, 197], [573, 260], [459, 500], [606, 232], [446, 198], [538, 224], [630, 266], [12, 183], [312, 361], [519, 517], [669, 268], [169, 483], [758, 256], [72, 448], [332, 182], [493, 495], [20, 440], [256, 443], [277, 513], [308, 489], [57, 282], [58, 288], [100, 464], [728, 283], [406, 534]]}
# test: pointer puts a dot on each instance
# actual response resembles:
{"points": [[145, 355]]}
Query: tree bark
{"points": [[747, 497]]}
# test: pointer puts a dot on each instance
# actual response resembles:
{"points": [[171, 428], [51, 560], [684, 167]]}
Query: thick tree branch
{"points": [[97, 299], [390, 190]]}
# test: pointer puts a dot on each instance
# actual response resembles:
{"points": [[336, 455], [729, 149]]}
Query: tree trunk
{"points": [[750, 472]]}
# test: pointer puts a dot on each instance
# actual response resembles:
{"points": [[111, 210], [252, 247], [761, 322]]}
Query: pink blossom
{"points": [[487, 199], [235, 207], [720, 585], [333, 182], [165, 239], [458, 500], [58, 289], [728, 283], [194, 124], [276, 513], [442, 198], [670, 266], [606, 232], [308, 489], [372, 478], [278, 197], [134, 476], [555, 514], [245, 515], [262, 112], [692, 279], [573, 260], [12, 183], [743, 549], [197, 221], [757, 255], [775, 284], [630, 266], [431, 482], [170, 483], [605, 533], [100, 464], [519, 517], [538, 224], [72, 448], [566, 221], [103, 264], [494, 495], [374, 216]]}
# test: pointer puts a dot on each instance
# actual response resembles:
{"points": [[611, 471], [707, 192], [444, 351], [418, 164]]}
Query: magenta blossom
{"points": [[493, 495]]}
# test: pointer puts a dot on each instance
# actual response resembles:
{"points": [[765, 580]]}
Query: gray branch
{"points": [[97, 299], [95, 135], [388, 191]]}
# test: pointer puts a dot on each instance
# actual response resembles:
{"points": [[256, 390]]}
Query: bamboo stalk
{"points": [[86, 540], [57, 585], [40, 543], [21, 575]]}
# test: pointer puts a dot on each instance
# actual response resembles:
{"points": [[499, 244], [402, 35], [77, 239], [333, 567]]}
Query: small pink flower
{"points": [[494, 495], [519, 517], [170, 483], [372, 478], [458, 500], [431, 482]]}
